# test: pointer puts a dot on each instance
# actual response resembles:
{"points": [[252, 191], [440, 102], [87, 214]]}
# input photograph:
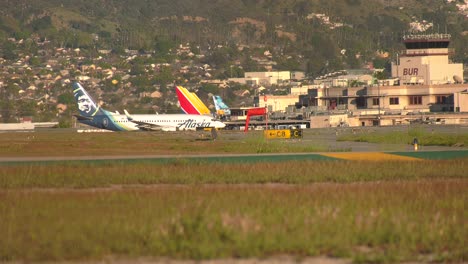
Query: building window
{"points": [[394, 101], [375, 101], [360, 102], [415, 100], [342, 101], [442, 99]]}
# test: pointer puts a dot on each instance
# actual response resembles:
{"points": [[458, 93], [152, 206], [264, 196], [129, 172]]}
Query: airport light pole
{"points": [[375, 78]]}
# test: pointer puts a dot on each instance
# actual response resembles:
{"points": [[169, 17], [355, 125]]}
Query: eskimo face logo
{"points": [[84, 104]]}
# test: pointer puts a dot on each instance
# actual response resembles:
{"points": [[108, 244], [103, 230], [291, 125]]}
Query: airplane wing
{"points": [[145, 125], [81, 118]]}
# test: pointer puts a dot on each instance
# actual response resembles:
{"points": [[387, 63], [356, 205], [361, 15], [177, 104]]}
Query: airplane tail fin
{"points": [[221, 107], [86, 105], [190, 102], [93, 115]]}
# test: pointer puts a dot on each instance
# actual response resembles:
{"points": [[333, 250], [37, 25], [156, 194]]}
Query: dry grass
{"points": [[106, 173], [146, 143], [369, 211], [376, 221]]}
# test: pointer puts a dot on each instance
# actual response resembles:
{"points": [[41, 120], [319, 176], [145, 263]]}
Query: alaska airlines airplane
{"points": [[93, 115]]}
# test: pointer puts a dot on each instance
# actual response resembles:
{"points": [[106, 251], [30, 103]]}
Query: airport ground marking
{"points": [[251, 158], [369, 156]]}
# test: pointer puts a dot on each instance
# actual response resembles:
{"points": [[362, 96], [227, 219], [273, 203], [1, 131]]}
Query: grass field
{"points": [[370, 222], [107, 173], [145, 143], [368, 211], [424, 137]]}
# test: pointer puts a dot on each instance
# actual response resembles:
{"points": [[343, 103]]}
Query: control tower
{"points": [[426, 61]]}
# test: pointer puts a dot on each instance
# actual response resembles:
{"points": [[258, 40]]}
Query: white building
{"points": [[426, 61], [268, 78]]}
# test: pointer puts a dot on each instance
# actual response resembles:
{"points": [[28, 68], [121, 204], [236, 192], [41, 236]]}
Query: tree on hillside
{"points": [[7, 50], [288, 64]]}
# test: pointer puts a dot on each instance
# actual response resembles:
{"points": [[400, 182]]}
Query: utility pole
{"points": [[376, 79]]}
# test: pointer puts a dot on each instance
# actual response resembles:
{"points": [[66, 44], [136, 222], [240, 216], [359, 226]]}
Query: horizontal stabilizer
{"points": [[129, 117], [80, 118]]}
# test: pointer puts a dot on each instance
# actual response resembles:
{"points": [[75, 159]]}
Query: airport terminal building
{"points": [[424, 80]]}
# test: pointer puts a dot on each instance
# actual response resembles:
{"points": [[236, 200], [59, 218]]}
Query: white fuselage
{"points": [[167, 122]]}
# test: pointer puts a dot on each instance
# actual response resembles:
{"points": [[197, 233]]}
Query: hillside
{"points": [[303, 35], [131, 52]]}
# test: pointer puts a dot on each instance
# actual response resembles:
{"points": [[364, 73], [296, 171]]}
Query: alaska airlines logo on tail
{"points": [[190, 123], [86, 105]]}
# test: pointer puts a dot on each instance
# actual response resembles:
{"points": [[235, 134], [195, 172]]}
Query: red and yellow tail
{"points": [[190, 103]]}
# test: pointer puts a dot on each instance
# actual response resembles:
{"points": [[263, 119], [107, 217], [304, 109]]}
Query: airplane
{"points": [[191, 104], [93, 115]]}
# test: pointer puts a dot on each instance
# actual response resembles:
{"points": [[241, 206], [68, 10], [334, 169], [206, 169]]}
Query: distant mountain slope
{"points": [[342, 32]]}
